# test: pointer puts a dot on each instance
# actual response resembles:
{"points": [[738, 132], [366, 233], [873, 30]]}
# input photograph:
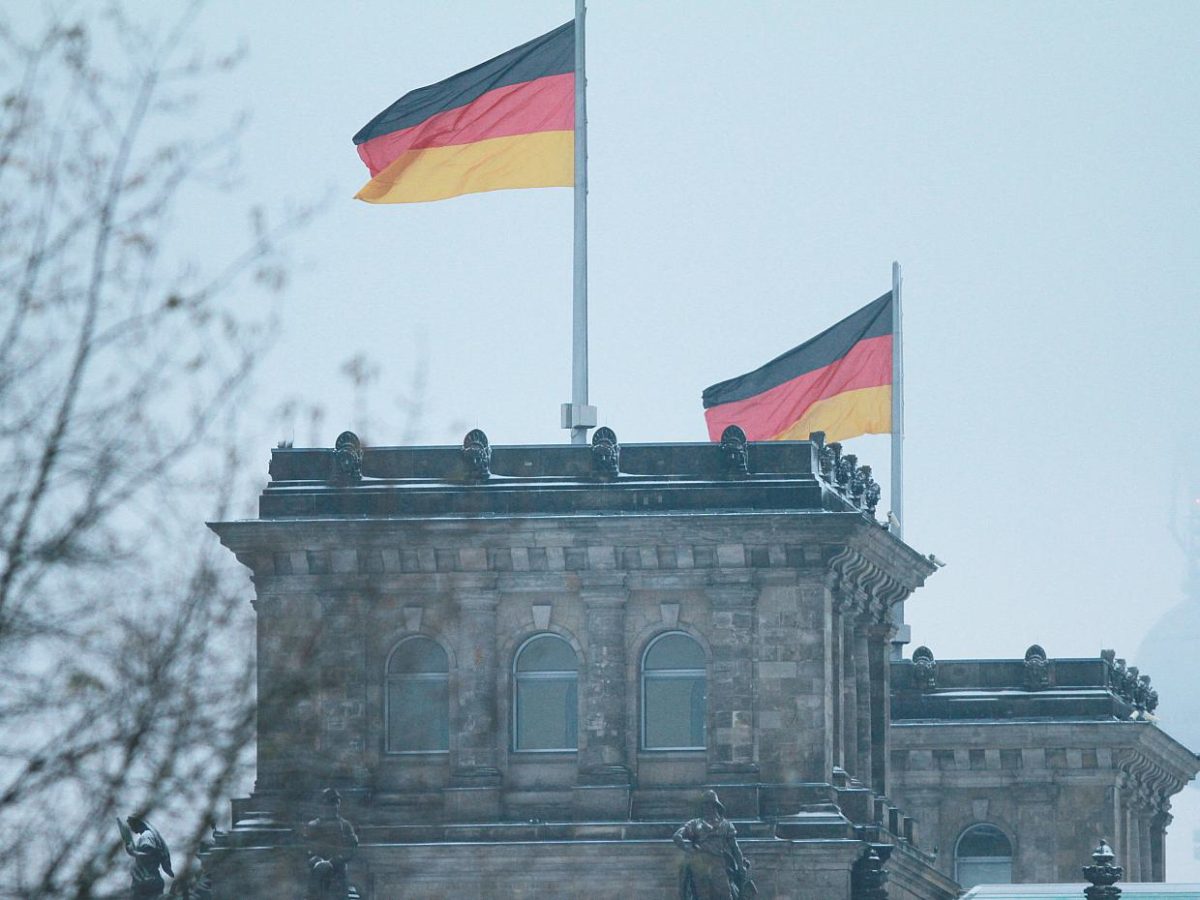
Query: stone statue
{"points": [[150, 853], [331, 842], [713, 867]]}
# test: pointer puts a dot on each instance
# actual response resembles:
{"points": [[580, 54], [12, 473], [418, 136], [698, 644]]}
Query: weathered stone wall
{"points": [[794, 634], [1054, 788], [598, 870]]}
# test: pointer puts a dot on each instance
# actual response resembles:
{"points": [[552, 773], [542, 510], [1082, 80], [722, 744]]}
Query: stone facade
{"points": [[1056, 753], [771, 562], [767, 561]]}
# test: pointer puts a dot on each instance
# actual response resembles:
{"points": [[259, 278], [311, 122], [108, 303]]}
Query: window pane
{"points": [[418, 655], [675, 709], [546, 714], [984, 840], [984, 871], [418, 714], [675, 651], [547, 654]]}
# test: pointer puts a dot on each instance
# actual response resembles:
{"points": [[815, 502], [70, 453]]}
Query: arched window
{"points": [[546, 702], [674, 693], [418, 697], [983, 855]]}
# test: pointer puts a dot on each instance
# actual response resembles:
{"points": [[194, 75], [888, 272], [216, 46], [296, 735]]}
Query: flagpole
{"points": [[897, 479], [577, 415]]}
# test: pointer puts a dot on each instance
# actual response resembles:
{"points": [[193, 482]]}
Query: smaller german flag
{"points": [[506, 123], [839, 382]]}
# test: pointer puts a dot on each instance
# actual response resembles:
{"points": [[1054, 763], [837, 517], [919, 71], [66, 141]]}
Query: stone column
{"points": [[1158, 836], [474, 791], [837, 653], [1145, 863], [850, 695], [880, 637], [1132, 854], [603, 782]]}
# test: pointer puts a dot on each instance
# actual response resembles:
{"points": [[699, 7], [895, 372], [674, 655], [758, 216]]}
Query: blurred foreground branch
{"points": [[128, 686]]}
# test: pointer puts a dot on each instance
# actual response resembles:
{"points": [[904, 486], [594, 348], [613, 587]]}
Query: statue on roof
{"points": [[330, 842], [713, 867], [150, 853]]}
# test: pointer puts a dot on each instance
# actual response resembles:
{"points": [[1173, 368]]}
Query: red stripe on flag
{"points": [[544, 104], [867, 364]]}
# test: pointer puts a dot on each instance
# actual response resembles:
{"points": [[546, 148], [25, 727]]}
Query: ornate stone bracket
{"points": [[865, 586]]}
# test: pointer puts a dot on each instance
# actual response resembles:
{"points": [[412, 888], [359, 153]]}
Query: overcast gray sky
{"points": [[755, 168]]}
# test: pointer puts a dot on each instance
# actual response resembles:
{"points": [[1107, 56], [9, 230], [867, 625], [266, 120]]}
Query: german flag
{"points": [[839, 382], [507, 123]]}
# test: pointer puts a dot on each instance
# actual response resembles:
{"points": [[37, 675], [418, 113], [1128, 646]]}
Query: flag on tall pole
{"points": [[506, 123], [839, 382], [516, 121]]}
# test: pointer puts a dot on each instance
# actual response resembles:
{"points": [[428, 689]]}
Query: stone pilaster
{"points": [[850, 695], [341, 705], [793, 621], [837, 653], [862, 658], [474, 791], [603, 783], [731, 677], [288, 721]]}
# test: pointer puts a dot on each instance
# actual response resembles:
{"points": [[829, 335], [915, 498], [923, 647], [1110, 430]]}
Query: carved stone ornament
{"points": [[858, 484], [606, 453], [477, 454], [1151, 698], [1037, 669], [1103, 875], [872, 494], [831, 456], [347, 459], [1141, 693], [924, 670], [868, 877], [846, 468], [150, 854], [735, 457]]}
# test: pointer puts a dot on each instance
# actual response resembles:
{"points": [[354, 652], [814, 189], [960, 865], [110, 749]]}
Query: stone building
{"points": [[520, 666], [1013, 767]]}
